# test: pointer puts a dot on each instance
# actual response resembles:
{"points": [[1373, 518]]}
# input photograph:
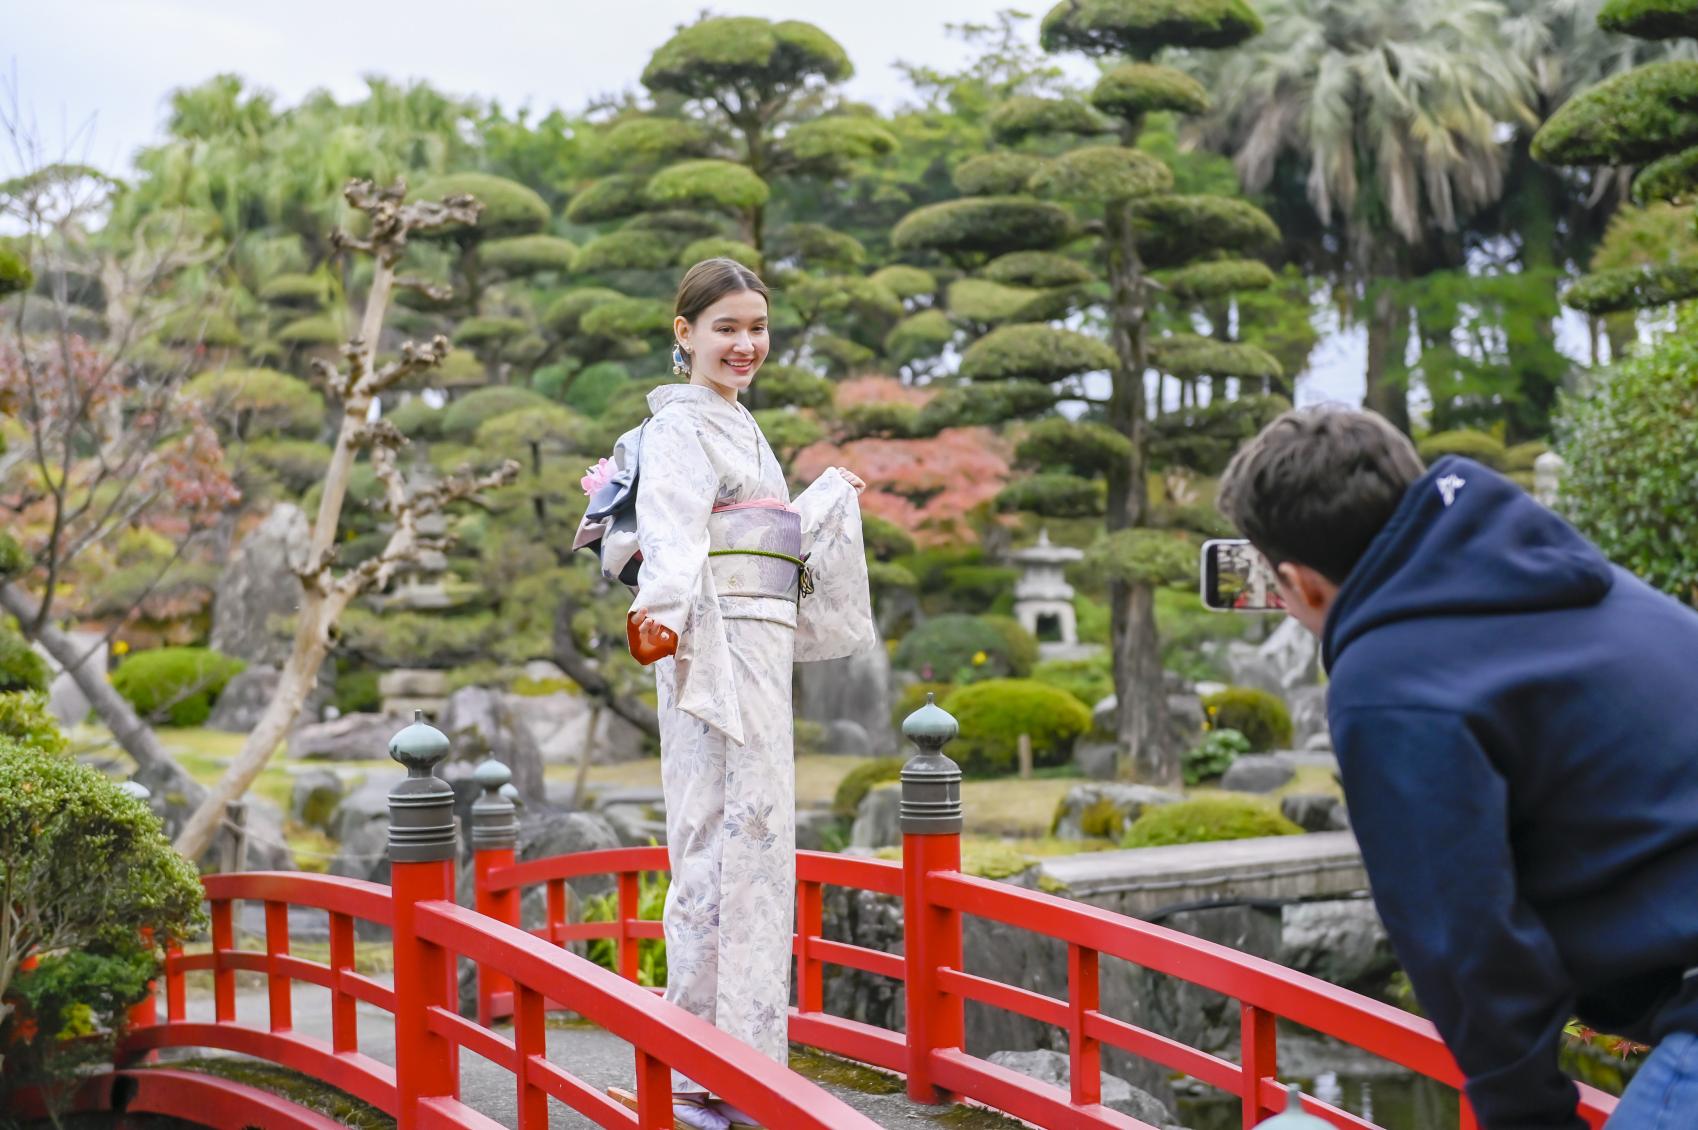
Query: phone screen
{"points": [[1237, 578]]}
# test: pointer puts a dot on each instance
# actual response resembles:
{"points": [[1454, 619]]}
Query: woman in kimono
{"points": [[723, 549]]}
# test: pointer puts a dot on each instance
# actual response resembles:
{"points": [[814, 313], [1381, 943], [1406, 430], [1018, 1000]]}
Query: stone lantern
{"points": [[1043, 600]]}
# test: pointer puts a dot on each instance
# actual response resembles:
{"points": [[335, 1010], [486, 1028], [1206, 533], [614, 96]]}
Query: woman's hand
{"points": [[650, 632], [853, 479]]}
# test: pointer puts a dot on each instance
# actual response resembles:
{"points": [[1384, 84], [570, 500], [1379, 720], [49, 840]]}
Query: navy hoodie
{"points": [[1516, 722]]}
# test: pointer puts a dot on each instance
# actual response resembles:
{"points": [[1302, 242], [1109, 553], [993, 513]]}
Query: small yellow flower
{"points": [[119, 647], [980, 659]]}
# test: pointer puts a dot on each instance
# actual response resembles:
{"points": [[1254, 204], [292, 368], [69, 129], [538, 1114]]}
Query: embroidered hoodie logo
{"points": [[1449, 485]]}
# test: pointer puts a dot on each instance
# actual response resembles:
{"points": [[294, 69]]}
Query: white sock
{"points": [[692, 1113]]}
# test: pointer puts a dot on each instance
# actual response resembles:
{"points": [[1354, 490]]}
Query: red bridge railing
{"points": [[429, 934], [936, 896]]}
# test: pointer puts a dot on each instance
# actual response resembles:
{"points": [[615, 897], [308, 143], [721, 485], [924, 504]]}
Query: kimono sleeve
{"points": [[836, 619], [675, 495]]}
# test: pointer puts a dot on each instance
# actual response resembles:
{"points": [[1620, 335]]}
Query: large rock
{"points": [[267, 847], [65, 700], [1184, 719], [1257, 773], [842, 735], [559, 724], [856, 689], [352, 737], [1052, 1067], [814, 826], [561, 833], [1341, 941], [245, 698], [1289, 658], [313, 798], [1308, 707], [1105, 810], [1098, 760], [259, 588], [878, 821], [1315, 812], [361, 826], [482, 723]]}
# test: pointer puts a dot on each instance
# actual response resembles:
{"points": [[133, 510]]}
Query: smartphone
{"points": [[1237, 578]]}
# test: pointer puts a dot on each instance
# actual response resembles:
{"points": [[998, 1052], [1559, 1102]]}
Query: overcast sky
{"points": [[95, 74]]}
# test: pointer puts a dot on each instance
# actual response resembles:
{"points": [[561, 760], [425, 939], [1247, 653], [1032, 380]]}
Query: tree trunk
{"points": [[1141, 718], [579, 669], [1386, 389], [154, 767]]}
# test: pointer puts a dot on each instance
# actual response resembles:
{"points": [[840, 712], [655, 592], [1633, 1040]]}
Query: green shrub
{"points": [[1088, 680], [651, 952], [1261, 717], [21, 667], [883, 538], [356, 691], [177, 685], [1019, 645], [1213, 756], [944, 645], [24, 718], [993, 714], [859, 781], [461, 420], [87, 868], [1478, 446], [1632, 455], [1205, 820]]}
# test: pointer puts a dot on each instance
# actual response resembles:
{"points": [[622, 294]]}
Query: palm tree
{"points": [[1394, 115]]}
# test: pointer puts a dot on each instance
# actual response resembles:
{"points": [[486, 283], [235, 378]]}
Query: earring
{"points": [[680, 366]]}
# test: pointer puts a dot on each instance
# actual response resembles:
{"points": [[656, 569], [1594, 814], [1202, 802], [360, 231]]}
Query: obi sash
{"points": [[755, 550]]}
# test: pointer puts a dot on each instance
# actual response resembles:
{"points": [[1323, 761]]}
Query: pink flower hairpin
{"points": [[598, 476]]}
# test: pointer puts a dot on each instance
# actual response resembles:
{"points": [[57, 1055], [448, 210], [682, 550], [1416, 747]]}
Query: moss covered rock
{"points": [[1034, 352], [983, 223], [1207, 820], [1140, 28]]}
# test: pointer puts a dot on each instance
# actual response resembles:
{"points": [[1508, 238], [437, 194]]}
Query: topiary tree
{"points": [[507, 209], [177, 685], [995, 713], [86, 869], [1075, 171], [1632, 457], [1646, 117]]}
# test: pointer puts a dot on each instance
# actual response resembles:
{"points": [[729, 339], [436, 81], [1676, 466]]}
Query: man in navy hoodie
{"points": [[1516, 722]]}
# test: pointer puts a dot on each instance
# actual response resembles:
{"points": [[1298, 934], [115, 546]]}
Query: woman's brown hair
{"points": [[712, 279]]}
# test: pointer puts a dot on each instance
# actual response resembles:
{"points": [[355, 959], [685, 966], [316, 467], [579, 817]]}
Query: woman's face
{"points": [[727, 342]]}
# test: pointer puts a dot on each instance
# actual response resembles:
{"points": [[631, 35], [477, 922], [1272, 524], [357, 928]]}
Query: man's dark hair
{"points": [[1317, 484]]}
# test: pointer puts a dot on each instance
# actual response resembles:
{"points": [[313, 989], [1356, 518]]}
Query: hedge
{"points": [[175, 684], [995, 713]]}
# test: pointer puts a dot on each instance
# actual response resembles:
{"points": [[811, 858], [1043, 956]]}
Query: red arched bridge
{"points": [[521, 975]]}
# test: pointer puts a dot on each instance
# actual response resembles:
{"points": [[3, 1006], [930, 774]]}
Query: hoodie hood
{"points": [[1464, 540]]}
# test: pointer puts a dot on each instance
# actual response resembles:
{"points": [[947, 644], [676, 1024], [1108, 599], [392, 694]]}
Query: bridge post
{"points": [[931, 843], [495, 842], [421, 857]]}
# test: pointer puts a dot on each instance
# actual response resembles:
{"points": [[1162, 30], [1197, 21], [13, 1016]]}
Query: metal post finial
{"points": [[931, 782], [495, 821], [421, 808]]}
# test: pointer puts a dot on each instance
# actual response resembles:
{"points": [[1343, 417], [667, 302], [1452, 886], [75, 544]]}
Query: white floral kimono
{"points": [[726, 756]]}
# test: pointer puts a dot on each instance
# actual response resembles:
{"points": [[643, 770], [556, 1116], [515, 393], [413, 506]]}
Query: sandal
{"points": [[687, 1113]]}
